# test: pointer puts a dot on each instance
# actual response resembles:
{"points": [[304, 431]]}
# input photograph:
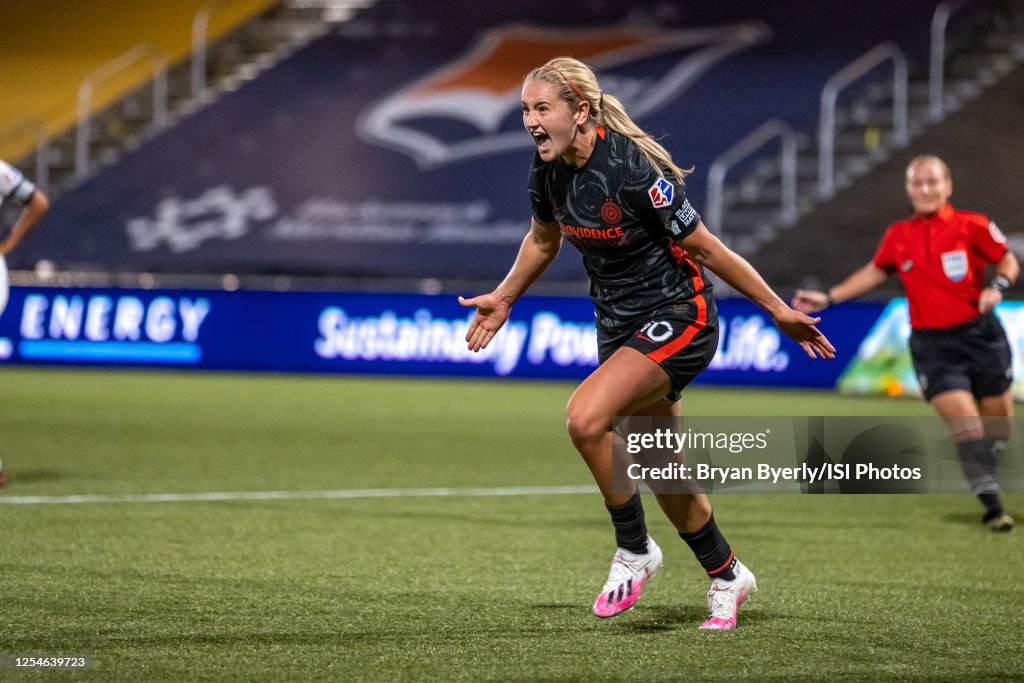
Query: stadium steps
{"points": [[976, 138], [234, 59], [752, 216], [839, 236], [51, 48]]}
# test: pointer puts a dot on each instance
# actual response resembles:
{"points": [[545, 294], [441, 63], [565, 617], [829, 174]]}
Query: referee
{"points": [[960, 351]]}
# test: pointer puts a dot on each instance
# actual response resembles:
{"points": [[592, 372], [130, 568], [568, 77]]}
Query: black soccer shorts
{"points": [[974, 356], [682, 338]]}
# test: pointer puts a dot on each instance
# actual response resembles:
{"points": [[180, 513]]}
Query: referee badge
{"points": [[954, 264]]}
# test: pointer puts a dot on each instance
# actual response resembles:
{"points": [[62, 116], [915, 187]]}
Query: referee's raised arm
{"points": [[857, 283]]}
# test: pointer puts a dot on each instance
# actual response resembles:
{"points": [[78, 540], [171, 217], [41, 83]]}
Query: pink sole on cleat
{"points": [[721, 623], [616, 602], [718, 624]]}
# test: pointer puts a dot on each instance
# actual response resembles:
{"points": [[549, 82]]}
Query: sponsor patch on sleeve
{"points": [[997, 235], [661, 193], [686, 214]]}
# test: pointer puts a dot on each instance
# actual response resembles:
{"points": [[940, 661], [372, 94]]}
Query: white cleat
{"points": [[725, 598], [626, 580]]}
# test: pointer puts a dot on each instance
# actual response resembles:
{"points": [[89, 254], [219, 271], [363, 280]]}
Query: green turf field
{"points": [[454, 587]]}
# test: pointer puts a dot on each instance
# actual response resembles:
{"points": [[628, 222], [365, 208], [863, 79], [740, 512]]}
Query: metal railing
{"points": [[37, 127], [141, 52], [332, 10], [857, 69], [765, 133], [200, 30], [937, 64]]}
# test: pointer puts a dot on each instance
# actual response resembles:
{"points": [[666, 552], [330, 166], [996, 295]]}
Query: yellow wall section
{"points": [[48, 48]]}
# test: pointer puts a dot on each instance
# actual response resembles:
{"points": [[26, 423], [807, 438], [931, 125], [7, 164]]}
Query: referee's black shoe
{"points": [[998, 520]]}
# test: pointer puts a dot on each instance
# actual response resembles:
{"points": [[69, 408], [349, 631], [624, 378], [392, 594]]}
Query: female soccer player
{"points": [[606, 186], [960, 351]]}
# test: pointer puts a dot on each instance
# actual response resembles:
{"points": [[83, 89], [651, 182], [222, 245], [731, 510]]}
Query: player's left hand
{"points": [[801, 329], [988, 299]]}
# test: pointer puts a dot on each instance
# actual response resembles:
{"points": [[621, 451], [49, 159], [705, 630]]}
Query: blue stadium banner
{"points": [[363, 333]]}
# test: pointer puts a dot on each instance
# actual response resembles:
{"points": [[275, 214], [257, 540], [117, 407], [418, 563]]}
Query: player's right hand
{"points": [[809, 301], [491, 313]]}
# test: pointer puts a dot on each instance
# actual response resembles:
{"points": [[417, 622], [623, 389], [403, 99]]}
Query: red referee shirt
{"points": [[941, 260]]}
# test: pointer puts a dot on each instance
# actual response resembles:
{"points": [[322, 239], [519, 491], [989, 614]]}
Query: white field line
{"points": [[299, 495]]}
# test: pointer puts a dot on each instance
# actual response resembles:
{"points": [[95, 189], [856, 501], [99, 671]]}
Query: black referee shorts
{"points": [[974, 356], [681, 338]]}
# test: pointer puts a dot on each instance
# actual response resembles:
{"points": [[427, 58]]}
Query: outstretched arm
{"points": [[33, 211], [539, 249], [708, 250], [860, 281]]}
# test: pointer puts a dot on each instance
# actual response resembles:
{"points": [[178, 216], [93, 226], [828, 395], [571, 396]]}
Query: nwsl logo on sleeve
{"points": [[481, 89], [661, 193]]}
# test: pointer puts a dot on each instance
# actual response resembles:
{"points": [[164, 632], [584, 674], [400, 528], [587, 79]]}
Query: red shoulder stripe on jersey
{"points": [[600, 132], [680, 342]]}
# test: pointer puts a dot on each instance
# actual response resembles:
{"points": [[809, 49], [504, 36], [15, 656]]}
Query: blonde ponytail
{"points": [[577, 83], [613, 115]]}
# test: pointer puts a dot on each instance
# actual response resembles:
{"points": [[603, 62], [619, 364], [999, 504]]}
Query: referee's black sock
{"points": [[978, 464], [712, 551], [996, 448], [630, 529]]}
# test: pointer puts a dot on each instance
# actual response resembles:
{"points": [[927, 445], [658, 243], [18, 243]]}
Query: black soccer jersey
{"points": [[624, 218]]}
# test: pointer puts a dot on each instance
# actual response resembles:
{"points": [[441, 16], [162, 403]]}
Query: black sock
{"points": [[996, 448], [977, 460], [712, 551], [992, 505], [630, 530], [978, 465]]}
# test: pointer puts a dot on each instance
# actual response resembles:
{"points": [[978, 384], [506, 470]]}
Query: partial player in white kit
{"points": [[16, 188]]}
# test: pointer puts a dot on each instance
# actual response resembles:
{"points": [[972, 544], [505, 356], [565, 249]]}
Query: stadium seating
{"points": [[49, 48], [842, 235], [353, 158]]}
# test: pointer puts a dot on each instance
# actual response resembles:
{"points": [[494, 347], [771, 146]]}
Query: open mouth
{"points": [[542, 140]]}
